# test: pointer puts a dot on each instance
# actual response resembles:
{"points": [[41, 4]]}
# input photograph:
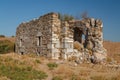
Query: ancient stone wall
{"points": [[93, 40], [56, 45], [35, 36], [67, 40], [50, 37]]}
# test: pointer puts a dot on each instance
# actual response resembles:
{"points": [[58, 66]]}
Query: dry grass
{"points": [[113, 50], [64, 71], [17, 67], [78, 46], [12, 39]]}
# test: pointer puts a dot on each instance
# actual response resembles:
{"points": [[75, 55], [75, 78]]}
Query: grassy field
{"points": [[32, 67], [113, 50]]}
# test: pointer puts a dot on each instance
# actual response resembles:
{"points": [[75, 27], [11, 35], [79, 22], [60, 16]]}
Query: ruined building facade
{"points": [[49, 36]]}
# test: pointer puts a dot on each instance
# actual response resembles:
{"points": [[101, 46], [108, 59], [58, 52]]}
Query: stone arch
{"points": [[79, 35]]}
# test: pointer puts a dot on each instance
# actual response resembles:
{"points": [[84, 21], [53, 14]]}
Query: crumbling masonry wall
{"points": [[49, 36], [35, 36], [93, 42]]}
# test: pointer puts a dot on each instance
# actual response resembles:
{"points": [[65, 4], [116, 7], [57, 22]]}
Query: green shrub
{"points": [[65, 17], [38, 61], [2, 36], [6, 46], [74, 77], [57, 78], [12, 36], [52, 65]]}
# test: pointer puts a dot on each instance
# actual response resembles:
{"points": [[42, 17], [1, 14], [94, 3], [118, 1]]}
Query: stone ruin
{"points": [[81, 40]]}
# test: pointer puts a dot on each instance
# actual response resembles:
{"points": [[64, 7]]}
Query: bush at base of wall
{"points": [[6, 46]]}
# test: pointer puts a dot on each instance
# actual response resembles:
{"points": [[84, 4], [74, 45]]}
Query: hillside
{"points": [[12, 39], [113, 50], [32, 67]]}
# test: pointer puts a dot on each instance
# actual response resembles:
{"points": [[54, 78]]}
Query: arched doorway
{"points": [[78, 35]]}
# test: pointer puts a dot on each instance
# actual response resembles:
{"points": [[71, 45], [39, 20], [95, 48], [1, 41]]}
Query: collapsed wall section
{"points": [[93, 41]]}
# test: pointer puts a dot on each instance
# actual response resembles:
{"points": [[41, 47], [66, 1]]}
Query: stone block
{"points": [[92, 22], [57, 45], [55, 50], [49, 46], [100, 57], [55, 55], [44, 42], [64, 50], [53, 46], [66, 39], [70, 36], [66, 45], [55, 40], [54, 35], [75, 50], [70, 50]]}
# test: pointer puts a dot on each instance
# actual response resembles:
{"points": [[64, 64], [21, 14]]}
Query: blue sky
{"points": [[13, 12]]}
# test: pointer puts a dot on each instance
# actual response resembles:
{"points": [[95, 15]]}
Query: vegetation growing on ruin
{"points": [[65, 17]]}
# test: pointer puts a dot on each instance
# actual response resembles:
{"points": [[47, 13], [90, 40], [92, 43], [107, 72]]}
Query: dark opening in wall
{"points": [[21, 42], [78, 35], [22, 53], [39, 42]]}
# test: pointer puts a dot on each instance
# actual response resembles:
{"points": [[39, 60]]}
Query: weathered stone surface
{"points": [[50, 37], [99, 57]]}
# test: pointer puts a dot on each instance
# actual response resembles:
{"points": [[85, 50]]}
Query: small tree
{"points": [[65, 17], [68, 17], [2, 36], [12, 36], [84, 15]]}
